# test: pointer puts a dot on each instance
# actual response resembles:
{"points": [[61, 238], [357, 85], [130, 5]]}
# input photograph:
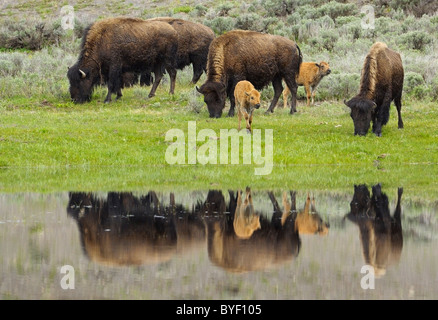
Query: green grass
{"points": [[53, 144]]}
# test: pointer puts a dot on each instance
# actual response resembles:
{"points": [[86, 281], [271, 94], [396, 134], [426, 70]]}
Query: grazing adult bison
{"points": [[253, 56], [114, 46], [381, 82], [194, 40]]}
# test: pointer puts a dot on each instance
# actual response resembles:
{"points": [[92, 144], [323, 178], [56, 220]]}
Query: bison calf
{"points": [[310, 75], [381, 82], [247, 99]]}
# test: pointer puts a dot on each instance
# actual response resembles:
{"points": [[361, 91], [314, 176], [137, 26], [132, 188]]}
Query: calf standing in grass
{"points": [[247, 99], [310, 75], [381, 82]]}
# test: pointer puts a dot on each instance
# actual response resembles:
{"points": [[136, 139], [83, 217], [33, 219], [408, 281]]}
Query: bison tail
{"points": [[300, 55]]}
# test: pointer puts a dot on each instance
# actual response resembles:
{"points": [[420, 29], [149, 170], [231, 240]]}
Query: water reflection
{"points": [[220, 244], [124, 229], [129, 230], [380, 233]]}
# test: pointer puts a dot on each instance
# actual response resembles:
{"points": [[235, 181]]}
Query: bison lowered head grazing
{"points": [[381, 82], [114, 46], [253, 56]]}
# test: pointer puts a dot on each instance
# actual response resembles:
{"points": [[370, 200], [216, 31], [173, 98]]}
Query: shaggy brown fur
{"points": [[113, 46], [310, 76], [193, 43], [253, 56], [247, 100], [381, 83]]}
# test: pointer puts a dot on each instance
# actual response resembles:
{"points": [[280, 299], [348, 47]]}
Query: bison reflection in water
{"points": [[246, 240], [380, 234], [307, 221], [126, 230]]}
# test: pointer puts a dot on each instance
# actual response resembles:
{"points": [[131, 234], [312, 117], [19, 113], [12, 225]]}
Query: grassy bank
{"points": [[47, 143], [57, 145]]}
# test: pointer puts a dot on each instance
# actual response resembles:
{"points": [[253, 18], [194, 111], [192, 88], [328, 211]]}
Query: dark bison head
{"points": [[81, 84], [361, 111], [214, 97]]}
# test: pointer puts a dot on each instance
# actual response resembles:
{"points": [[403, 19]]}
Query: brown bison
{"points": [[381, 82], [193, 43], [381, 235], [113, 46], [253, 56], [247, 99], [311, 74]]}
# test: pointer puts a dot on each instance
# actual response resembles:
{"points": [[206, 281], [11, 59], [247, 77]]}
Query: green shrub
{"points": [[416, 7], [200, 10], [220, 25], [421, 92], [411, 81], [250, 21], [279, 7], [336, 9], [416, 40]]}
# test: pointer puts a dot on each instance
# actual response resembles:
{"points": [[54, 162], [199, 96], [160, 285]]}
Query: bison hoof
{"points": [[248, 131]]}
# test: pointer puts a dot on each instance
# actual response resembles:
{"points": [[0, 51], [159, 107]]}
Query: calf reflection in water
{"points": [[127, 230], [270, 244], [380, 234], [245, 240], [306, 221], [246, 220]]}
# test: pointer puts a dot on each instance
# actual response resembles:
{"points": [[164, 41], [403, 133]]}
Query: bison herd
{"points": [[115, 50]]}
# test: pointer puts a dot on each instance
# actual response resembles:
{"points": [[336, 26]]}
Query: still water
{"points": [[368, 243]]}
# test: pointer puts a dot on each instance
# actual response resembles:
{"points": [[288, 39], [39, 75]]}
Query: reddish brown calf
{"points": [[310, 75]]}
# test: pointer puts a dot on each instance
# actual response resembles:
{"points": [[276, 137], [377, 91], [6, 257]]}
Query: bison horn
{"points": [[345, 102], [197, 89], [83, 75]]}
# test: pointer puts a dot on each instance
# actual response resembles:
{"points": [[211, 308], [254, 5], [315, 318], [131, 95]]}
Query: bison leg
{"points": [[248, 119], [278, 89], [313, 94], [232, 100], [158, 72], [239, 115], [172, 74], [397, 102], [114, 82], [198, 69], [308, 93], [293, 87], [381, 116], [286, 93]]}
